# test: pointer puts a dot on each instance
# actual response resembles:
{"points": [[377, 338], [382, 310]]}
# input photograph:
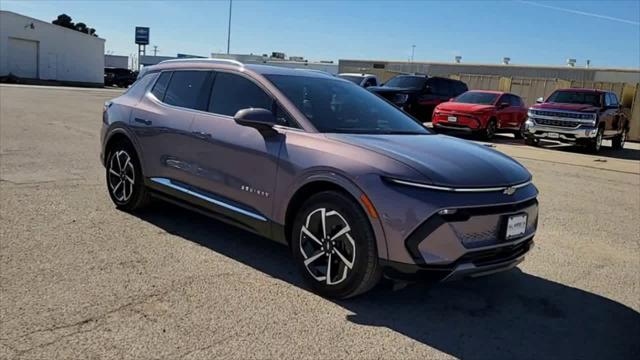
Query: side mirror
{"points": [[539, 100], [261, 119], [503, 105]]}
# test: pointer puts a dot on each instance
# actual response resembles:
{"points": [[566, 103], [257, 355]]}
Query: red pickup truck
{"points": [[579, 116]]}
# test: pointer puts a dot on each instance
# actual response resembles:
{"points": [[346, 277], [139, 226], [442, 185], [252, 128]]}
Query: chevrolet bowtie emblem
{"points": [[509, 191]]}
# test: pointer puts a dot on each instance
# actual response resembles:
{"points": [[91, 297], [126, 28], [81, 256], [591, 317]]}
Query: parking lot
{"points": [[80, 279]]}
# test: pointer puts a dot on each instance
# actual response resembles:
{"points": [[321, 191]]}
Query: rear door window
{"points": [[189, 89], [234, 92]]}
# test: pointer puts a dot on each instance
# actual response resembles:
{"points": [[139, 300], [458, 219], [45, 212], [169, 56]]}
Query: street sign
{"points": [[142, 35]]}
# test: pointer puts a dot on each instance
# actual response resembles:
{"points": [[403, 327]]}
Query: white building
{"points": [[35, 49], [116, 61]]}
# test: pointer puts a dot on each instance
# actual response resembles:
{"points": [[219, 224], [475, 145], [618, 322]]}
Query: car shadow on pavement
{"points": [[508, 315]]}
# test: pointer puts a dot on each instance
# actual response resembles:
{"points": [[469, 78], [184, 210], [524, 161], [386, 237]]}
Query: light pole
{"points": [[229, 29], [413, 50]]}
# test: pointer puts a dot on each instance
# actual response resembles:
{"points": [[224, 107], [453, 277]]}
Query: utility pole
{"points": [[229, 29], [413, 50], [155, 50]]}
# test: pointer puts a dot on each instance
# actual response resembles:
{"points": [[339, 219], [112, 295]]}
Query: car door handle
{"points": [[143, 121], [201, 134]]}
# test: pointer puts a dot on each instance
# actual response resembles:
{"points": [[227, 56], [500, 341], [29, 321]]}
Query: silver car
{"points": [[355, 187]]}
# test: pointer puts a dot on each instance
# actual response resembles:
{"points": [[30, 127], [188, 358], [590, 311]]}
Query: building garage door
{"points": [[23, 58]]}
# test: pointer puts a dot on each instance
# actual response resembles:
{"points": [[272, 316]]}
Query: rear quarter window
{"points": [[160, 87]]}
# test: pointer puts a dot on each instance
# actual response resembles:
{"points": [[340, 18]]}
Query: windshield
{"points": [[575, 97], [353, 78], [335, 106], [473, 97], [412, 82]]}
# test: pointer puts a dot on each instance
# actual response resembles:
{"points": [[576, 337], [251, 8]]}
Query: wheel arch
{"points": [[116, 136], [319, 184]]}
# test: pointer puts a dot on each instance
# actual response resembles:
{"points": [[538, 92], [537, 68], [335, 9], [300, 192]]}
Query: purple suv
{"points": [[355, 187]]}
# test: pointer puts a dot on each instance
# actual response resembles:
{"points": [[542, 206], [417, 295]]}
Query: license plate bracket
{"points": [[515, 226]]}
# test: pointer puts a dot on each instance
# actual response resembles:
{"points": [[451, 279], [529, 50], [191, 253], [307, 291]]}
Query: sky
{"points": [[529, 32]]}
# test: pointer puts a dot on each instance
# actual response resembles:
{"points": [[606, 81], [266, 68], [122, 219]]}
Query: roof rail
{"points": [[204, 60]]}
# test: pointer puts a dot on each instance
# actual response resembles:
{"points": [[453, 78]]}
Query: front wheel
{"points": [[490, 130], [595, 145], [334, 246]]}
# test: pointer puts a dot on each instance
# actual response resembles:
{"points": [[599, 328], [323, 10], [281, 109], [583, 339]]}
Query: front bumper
{"points": [[577, 133], [474, 264]]}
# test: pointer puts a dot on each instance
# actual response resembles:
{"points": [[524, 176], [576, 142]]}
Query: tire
{"points": [[124, 178], [619, 141], [520, 133], [353, 251], [531, 141], [595, 145], [490, 131]]}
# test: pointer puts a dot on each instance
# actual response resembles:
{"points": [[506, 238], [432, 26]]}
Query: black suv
{"points": [[419, 94], [119, 77]]}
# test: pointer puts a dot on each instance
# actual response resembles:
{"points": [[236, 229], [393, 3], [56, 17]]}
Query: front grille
{"points": [[559, 123], [563, 114]]}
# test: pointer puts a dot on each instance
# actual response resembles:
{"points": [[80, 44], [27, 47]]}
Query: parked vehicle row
{"points": [[355, 187], [579, 116]]}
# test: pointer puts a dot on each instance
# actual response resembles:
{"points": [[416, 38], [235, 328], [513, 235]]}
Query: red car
{"points": [[482, 112]]}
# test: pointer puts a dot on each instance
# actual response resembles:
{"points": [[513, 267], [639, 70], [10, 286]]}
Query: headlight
{"points": [[401, 98]]}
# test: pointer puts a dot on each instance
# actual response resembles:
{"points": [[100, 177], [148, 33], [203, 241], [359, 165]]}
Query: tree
{"points": [[65, 20], [82, 27]]}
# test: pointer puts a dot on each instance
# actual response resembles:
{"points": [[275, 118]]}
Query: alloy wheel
{"points": [[121, 176], [599, 140], [326, 244]]}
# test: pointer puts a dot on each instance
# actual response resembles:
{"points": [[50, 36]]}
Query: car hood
{"points": [[391, 89], [567, 107], [444, 160], [456, 106]]}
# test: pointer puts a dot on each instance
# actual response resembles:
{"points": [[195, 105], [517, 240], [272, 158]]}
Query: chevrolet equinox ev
{"points": [[354, 186]]}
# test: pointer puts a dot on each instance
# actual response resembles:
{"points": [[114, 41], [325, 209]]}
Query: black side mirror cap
{"points": [[503, 105], [261, 119]]}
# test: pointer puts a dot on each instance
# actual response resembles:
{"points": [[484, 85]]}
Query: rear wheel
{"points": [[619, 140], [520, 133], [124, 178], [334, 246]]}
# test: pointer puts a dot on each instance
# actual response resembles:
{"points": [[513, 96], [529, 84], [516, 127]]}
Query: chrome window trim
{"points": [[456, 189], [166, 182], [204, 112]]}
